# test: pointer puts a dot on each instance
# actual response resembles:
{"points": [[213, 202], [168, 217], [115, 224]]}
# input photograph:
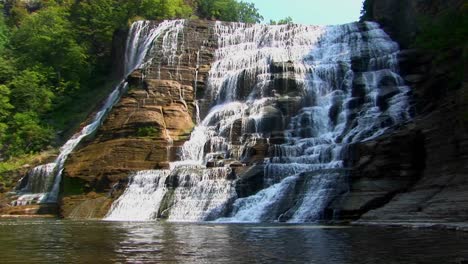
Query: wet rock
{"points": [[143, 131], [414, 78], [250, 181]]}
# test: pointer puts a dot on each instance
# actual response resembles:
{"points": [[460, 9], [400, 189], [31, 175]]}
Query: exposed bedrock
{"points": [[146, 127], [420, 172]]}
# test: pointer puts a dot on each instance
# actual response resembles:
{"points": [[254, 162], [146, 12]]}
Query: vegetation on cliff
{"points": [[55, 60], [445, 35], [366, 11], [441, 30], [56, 54]]}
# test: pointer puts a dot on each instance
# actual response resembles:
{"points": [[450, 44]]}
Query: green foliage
{"points": [[367, 11], [30, 92], [5, 109], [48, 39], [448, 31], [447, 38], [96, 21], [17, 14], [55, 59], [7, 69], [229, 10], [161, 9], [5, 106], [284, 21], [248, 13], [4, 32], [29, 134], [147, 132]]}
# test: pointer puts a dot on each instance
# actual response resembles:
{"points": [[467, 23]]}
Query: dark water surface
{"points": [[58, 241]]}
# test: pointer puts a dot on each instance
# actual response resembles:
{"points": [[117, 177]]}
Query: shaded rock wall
{"points": [[400, 18], [419, 173]]}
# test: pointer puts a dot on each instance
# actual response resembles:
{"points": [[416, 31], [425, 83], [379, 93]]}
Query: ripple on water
{"points": [[48, 241]]}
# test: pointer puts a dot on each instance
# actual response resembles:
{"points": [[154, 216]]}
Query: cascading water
{"points": [[34, 187], [141, 36], [341, 106], [302, 92]]}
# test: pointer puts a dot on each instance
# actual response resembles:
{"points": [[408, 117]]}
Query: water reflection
{"points": [[49, 241]]}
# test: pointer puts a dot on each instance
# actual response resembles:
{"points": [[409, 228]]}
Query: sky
{"points": [[310, 12]]}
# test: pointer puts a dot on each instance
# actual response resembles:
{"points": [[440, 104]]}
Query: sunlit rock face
{"points": [[274, 109]]}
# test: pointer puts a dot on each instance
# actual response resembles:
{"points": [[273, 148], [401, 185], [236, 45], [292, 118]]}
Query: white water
{"points": [[142, 198], [338, 106], [37, 185], [195, 194], [141, 36], [315, 141]]}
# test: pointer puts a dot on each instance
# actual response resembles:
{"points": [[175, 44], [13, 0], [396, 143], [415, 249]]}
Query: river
{"points": [[65, 241]]}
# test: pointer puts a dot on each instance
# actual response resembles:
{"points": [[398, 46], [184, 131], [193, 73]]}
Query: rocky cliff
{"points": [[415, 172], [147, 126], [418, 174]]}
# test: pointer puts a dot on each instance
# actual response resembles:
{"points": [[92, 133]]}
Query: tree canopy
{"points": [[229, 10], [55, 59]]}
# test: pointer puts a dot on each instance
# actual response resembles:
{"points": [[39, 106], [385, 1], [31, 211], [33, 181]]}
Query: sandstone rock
{"points": [[145, 129], [250, 181]]}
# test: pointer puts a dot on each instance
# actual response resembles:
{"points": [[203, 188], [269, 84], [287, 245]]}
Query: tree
{"points": [[284, 21], [5, 110], [229, 10], [17, 14], [4, 32], [7, 70], [367, 10], [27, 134], [248, 13], [96, 21], [47, 39], [30, 93], [5, 106]]}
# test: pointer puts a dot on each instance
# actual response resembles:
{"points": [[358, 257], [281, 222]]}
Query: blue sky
{"points": [[312, 12]]}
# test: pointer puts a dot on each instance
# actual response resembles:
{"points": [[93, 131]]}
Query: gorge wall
{"points": [[414, 172], [418, 173], [277, 108], [238, 122]]}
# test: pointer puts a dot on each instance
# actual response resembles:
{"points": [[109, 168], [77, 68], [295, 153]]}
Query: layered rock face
{"points": [[150, 122], [250, 123], [281, 106], [420, 172], [429, 182]]}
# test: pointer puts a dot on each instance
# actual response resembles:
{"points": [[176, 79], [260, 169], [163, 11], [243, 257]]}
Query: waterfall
{"points": [[142, 198], [342, 106], [184, 193], [35, 185], [141, 36], [302, 93]]}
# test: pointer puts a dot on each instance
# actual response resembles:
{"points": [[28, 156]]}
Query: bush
{"points": [[366, 11], [147, 132], [448, 31], [229, 10], [27, 134]]}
